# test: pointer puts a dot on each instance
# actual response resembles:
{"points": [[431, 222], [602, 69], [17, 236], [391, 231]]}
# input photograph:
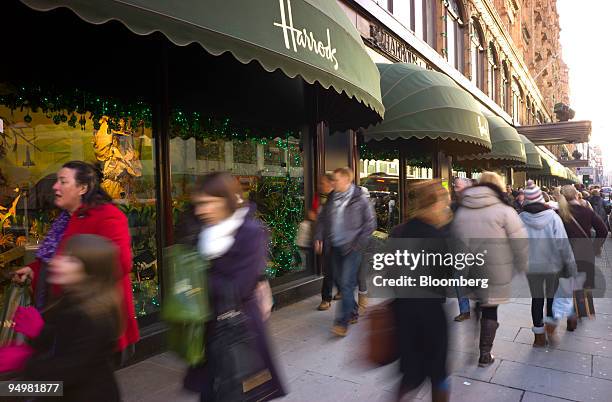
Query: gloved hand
{"points": [[14, 358], [28, 321]]}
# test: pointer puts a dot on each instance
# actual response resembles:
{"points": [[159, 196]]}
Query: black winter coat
{"points": [[77, 349]]}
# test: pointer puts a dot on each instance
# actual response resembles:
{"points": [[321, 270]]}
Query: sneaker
{"points": [[338, 296], [325, 305], [354, 319], [462, 317], [339, 330]]}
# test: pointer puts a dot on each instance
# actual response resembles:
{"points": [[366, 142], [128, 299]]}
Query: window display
{"points": [[42, 130], [269, 168]]}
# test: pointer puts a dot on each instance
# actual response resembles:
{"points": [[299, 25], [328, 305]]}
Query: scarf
{"points": [[342, 199], [216, 240], [49, 246]]}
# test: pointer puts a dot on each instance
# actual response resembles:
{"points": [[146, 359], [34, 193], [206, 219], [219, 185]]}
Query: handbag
{"points": [[236, 362], [304, 234], [583, 298], [382, 335], [16, 295], [186, 307]]}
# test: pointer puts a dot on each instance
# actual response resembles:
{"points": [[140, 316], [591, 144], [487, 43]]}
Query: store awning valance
{"points": [[550, 166], [312, 39], [571, 176], [507, 147], [534, 160], [426, 108], [565, 132]]}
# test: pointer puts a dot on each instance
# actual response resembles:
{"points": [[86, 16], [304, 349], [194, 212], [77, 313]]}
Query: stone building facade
{"points": [[505, 52]]}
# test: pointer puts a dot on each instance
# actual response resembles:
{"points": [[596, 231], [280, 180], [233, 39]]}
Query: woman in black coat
{"points": [[421, 321], [235, 243]]}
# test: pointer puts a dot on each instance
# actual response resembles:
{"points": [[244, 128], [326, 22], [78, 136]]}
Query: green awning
{"points": [[507, 147], [313, 39], [571, 176], [550, 166], [424, 108], [534, 161]]}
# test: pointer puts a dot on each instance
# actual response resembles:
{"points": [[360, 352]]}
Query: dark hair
{"points": [[88, 175], [219, 184]]}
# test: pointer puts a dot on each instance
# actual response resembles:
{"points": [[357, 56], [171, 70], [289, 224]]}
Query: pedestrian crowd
{"points": [[82, 325]]}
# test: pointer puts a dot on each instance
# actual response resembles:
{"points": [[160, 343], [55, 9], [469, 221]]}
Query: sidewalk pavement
{"points": [[320, 367]]}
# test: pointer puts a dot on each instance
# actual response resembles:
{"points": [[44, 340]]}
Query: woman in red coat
{"points": [[86, 209]]}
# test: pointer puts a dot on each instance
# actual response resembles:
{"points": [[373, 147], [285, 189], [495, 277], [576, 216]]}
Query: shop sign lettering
{"points": [[296, 38]]}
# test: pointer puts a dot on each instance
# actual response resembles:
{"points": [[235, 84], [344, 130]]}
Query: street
{"points": [[320, 367]]}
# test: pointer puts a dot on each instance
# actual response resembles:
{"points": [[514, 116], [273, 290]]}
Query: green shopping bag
{"points": [[16, 295], [185, 307]]}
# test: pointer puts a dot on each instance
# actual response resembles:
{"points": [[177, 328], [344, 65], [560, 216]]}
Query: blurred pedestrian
{"points": [[519, 201], [579, 222], [343, 230], [598, 205], [550, 202], [421, 321], [235, 244], [583, 199], [76, 336], [484, 215], [326, 186], [550, 256], [464, 302], [86, 209]]}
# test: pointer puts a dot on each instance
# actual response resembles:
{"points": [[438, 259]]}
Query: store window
{"points": [[506, 95], [420, 17], [43, 130], [270, 171], [386, 4], [477, 52], [517, 102], [454, 35], [493, 70]]}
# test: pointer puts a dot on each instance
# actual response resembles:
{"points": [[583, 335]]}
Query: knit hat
{"points": [[533, 193]]}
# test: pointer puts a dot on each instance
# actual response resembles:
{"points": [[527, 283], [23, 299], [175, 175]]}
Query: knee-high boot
{"points": [[487, 336]]}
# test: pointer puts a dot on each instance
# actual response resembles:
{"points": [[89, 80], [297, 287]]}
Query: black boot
{"points": [[487, 336]]}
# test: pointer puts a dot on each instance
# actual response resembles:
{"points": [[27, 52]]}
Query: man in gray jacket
{"points": [[343, 229]]}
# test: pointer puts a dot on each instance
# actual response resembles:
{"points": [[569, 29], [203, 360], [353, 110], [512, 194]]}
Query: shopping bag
{"points": [[303, 237], [186, 307], [265, 302], [563, 302], [382, 335], [236, 360], [16, 295]]}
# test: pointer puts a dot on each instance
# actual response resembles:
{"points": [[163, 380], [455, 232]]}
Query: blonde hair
{"points": [[566, 194], [346, 172], [492, 178]]}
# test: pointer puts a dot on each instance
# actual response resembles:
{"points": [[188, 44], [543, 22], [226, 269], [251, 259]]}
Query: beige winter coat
{"points": [[483, 223]]}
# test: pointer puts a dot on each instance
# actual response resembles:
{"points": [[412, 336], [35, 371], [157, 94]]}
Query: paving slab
{"points": [[552, 382]]}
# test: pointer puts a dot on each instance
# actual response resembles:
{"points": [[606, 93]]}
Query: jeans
{"points": [[542, 287], [464, 303], [346, 269]]}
